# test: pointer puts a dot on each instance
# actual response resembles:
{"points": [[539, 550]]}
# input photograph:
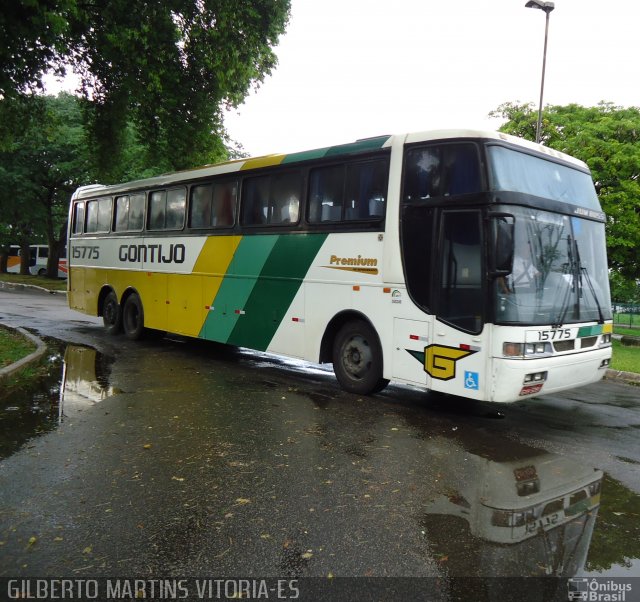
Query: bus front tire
{"points": [[111, 314], [357, 359], [133, 317]]}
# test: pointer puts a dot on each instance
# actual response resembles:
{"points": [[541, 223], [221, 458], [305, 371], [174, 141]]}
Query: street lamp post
{"points": [[547, 7]]}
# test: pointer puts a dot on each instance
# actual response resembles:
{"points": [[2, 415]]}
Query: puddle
{"points": [[71, 378], [526, 512], [85, 379]]}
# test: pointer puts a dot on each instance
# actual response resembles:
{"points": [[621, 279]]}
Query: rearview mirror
{"points": [[501, 246]]}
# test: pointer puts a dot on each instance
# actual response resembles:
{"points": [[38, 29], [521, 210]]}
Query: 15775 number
{"points": [[85, 252], [554, 335]]}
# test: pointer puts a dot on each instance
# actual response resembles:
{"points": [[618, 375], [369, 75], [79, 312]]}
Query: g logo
{"points": [[440, 361]]}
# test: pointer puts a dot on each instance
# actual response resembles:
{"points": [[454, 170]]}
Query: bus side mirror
{"points": [[501, 247]]}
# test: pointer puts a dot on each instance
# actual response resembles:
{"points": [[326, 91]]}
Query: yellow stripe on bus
{"points": [[266, 161]]}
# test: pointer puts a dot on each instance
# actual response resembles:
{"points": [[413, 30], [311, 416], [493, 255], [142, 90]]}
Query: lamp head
{"points": [[547, 7]]}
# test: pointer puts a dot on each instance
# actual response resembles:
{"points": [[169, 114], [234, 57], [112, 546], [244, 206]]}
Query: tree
{"points": [[167, 67], [46, 161], [607, 138], [33, 36]]}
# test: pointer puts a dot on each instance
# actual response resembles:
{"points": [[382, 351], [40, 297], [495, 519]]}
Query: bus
{"points": [[38, 255], [466, 262]]}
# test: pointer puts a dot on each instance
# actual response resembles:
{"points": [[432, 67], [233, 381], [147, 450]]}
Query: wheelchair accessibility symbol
{"points": [[471, 380]]}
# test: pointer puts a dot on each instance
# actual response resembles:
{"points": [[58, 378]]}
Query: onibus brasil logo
{"points": [[439, 361]]}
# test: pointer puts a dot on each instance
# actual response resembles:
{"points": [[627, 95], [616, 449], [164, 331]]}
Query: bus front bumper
{"points": [[515, 379]]}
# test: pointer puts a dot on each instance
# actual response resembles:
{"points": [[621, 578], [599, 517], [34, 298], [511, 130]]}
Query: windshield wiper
{"points": [[587, 277], [571, 267]]}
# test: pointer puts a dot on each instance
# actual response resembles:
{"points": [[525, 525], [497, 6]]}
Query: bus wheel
{"points": [[357, 359], [42, 272], [111, 315], [133, 317]]}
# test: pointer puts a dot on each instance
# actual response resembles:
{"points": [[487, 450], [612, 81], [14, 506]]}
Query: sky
{"points": [[350, 69]]}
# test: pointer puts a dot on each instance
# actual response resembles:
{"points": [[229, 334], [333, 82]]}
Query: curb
{"points": [[630, 378], [21, 285], [37, 354]]}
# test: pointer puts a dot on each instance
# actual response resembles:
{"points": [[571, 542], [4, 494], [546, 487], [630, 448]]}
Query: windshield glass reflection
{"points": [[559, 271], [521, 172]]}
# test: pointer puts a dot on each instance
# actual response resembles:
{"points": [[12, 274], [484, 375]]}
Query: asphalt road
{"points": [[173, 458]]}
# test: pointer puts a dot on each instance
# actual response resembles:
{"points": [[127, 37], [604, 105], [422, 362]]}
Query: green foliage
{"points": [[34, 36], [167, 68], [624, 290], [45, 161], [607, 138]]}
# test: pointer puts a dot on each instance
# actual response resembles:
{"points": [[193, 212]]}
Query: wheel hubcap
{"points": [[357, 357]]}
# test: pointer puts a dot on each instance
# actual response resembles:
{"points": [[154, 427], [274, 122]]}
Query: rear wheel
{"points": [[111, 314], [357, 359], [133, 317]]}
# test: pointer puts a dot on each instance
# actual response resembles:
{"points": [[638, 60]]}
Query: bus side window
{"points": [[255, 201], [285, 198], [200, 207], [176, 205], [157, 209], [122, 213], [98, 215], [462, 169], [167, 209], [92, 217], [223, 214], [366, 190], [136, 211], [440, 171], [422, 174], [129, 212], [78, 218], [326, 186]]}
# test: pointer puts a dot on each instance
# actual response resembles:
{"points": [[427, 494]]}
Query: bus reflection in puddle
{"points": [[529, 516], [37, 406], [85, 379]]}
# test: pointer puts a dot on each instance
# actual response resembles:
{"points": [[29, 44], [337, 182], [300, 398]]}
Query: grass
{"points": [[628, 320], [620, 330], [13, 346], [50, 284], [625, 358]]}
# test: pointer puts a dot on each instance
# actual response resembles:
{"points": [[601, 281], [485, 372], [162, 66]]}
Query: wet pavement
{"points": [[174, 458]]}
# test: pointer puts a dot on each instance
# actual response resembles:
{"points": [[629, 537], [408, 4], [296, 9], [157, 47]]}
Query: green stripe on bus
{"points": [[241, 277], [341, 149], [590, 331], [357, 147], [273, 293], [306, 155]]}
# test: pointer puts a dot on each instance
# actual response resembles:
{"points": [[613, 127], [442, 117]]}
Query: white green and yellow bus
{"points": [[466, 262]]}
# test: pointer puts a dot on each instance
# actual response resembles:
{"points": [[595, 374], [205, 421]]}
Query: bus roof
{"points": [[359, 146]]}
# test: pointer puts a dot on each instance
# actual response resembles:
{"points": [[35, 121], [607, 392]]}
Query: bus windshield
{"points": [[519, 172], [559, 271]]}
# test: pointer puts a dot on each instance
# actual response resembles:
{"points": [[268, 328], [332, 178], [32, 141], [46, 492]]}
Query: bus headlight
{"points": [[535, 377], [526, 349], [509, 518], [513, 349]]}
